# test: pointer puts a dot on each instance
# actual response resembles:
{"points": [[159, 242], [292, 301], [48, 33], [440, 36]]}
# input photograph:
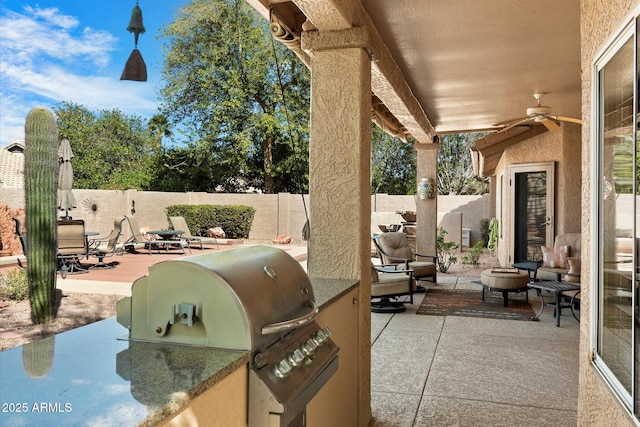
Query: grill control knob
{"points": [[296, 358], [282, 369], [327, 331], [320, 337], [309, 347]]}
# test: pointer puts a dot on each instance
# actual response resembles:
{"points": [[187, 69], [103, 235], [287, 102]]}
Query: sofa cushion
{"points": [[555, 257], [573, 240], [573, 275]]}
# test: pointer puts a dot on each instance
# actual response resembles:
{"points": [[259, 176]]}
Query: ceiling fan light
{"points": [[539, 110]]}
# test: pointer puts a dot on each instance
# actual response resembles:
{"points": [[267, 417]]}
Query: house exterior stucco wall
{"points": [[599, 22], [563, 148]]}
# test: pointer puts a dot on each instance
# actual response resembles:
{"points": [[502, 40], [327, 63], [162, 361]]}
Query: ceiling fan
{"points": [[539, 114]]}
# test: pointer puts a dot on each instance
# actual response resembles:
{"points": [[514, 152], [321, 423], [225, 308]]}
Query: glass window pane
{"points": [[530, 215], [617, 215]]}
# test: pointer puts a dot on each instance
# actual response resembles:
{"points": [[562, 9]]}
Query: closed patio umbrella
{"points": [[66, 200]]}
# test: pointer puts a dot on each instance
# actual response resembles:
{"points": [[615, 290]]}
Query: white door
{"points": [[532, 213]]}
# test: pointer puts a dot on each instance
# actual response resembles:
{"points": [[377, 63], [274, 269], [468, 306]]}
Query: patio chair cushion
{"points": [[395, 245], [422, 268], [389, 284]]}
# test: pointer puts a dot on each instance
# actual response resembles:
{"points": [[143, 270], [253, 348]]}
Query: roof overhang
{"points": [[487, 151]]}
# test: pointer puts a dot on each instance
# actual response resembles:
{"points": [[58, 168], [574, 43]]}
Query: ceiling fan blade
{"points": [[568, 119], [507, 122], [514, 124], [550, 124]]}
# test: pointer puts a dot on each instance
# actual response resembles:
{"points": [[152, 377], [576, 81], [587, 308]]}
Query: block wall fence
{"points": [[276, 214]]}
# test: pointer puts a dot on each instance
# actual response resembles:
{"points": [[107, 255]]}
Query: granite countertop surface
{"points": [[90, 377], [93, 376]]}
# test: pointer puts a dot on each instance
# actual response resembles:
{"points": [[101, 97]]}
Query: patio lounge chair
{"points": [[138, 238], [179, 223], [393, 249], [107, 247]]}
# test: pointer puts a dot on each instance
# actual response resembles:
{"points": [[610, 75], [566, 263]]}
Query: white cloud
{"points": [[48, 34], [47, 58], [53, 16]]}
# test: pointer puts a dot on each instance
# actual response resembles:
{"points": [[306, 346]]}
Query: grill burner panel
{"points": [[285, 397]]}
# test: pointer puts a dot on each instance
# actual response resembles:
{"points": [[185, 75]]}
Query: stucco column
{"points": [[427, 209], [340, 140], [339, 187]]}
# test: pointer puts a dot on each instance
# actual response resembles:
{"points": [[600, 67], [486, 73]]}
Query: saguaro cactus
{"points": [[41, 182]]}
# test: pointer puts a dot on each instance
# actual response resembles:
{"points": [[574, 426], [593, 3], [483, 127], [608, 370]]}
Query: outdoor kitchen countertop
{"points": [[93, 376]]}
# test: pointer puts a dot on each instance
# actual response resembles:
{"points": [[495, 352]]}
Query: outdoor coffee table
{"points": [[169, 239], [556, 288], [530, 266]]}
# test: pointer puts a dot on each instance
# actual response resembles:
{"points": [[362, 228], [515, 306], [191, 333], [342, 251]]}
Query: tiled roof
{"points": [[12, 165]]}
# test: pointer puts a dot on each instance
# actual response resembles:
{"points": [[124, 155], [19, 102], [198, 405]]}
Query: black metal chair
{"points": [[20, 235]]}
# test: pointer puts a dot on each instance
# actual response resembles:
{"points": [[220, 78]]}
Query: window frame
{"points": [[628, 31]]}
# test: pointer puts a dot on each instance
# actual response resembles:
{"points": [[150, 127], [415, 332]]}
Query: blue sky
{"points": [[75, 51]]}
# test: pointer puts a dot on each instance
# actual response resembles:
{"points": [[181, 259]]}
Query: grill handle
{"points": [[286, 325]]}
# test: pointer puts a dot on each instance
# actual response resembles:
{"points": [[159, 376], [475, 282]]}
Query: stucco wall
{"points": [[599, 21], [563, 148], [276, 214]]}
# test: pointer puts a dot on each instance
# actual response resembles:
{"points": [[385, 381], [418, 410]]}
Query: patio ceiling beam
{"points": [[346, 21]]}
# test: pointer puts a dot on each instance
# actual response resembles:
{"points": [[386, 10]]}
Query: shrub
{"points": [[235, 220], [473, 255], [484, 230], [13, 285], [444, 251]]}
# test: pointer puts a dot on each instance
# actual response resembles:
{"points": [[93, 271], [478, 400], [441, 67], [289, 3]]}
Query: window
{"points": [[615, 253]]}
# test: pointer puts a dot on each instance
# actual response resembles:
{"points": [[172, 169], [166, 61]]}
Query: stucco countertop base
{"points": [[93, 376]]}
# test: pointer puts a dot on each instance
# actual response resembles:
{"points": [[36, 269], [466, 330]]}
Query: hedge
{"points": [[235, 220]]}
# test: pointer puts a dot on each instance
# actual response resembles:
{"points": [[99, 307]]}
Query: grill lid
{"points": [[239, 299]]}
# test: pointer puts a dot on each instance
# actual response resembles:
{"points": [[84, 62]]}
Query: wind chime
{"points": [[135, 69]]}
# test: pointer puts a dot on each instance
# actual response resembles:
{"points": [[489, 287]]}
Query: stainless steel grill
{"points": [[257, 299]]}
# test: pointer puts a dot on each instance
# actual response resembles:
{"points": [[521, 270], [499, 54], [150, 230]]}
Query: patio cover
{"points": [[487, 151]]}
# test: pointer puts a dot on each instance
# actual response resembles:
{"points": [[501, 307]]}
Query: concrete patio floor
{"points": [[438, 370], [464, 371]]}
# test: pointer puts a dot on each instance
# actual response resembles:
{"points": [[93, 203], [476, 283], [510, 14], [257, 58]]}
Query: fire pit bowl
{"points": [[409, 216]]}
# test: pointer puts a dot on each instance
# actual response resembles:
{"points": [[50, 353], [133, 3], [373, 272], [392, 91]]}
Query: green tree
{"points": [[160, 128], [222, 87], [393, 164], [455, 169], [111, 150]]}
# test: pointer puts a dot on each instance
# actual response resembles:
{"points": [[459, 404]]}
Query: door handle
{"points": [[547, 221]]}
